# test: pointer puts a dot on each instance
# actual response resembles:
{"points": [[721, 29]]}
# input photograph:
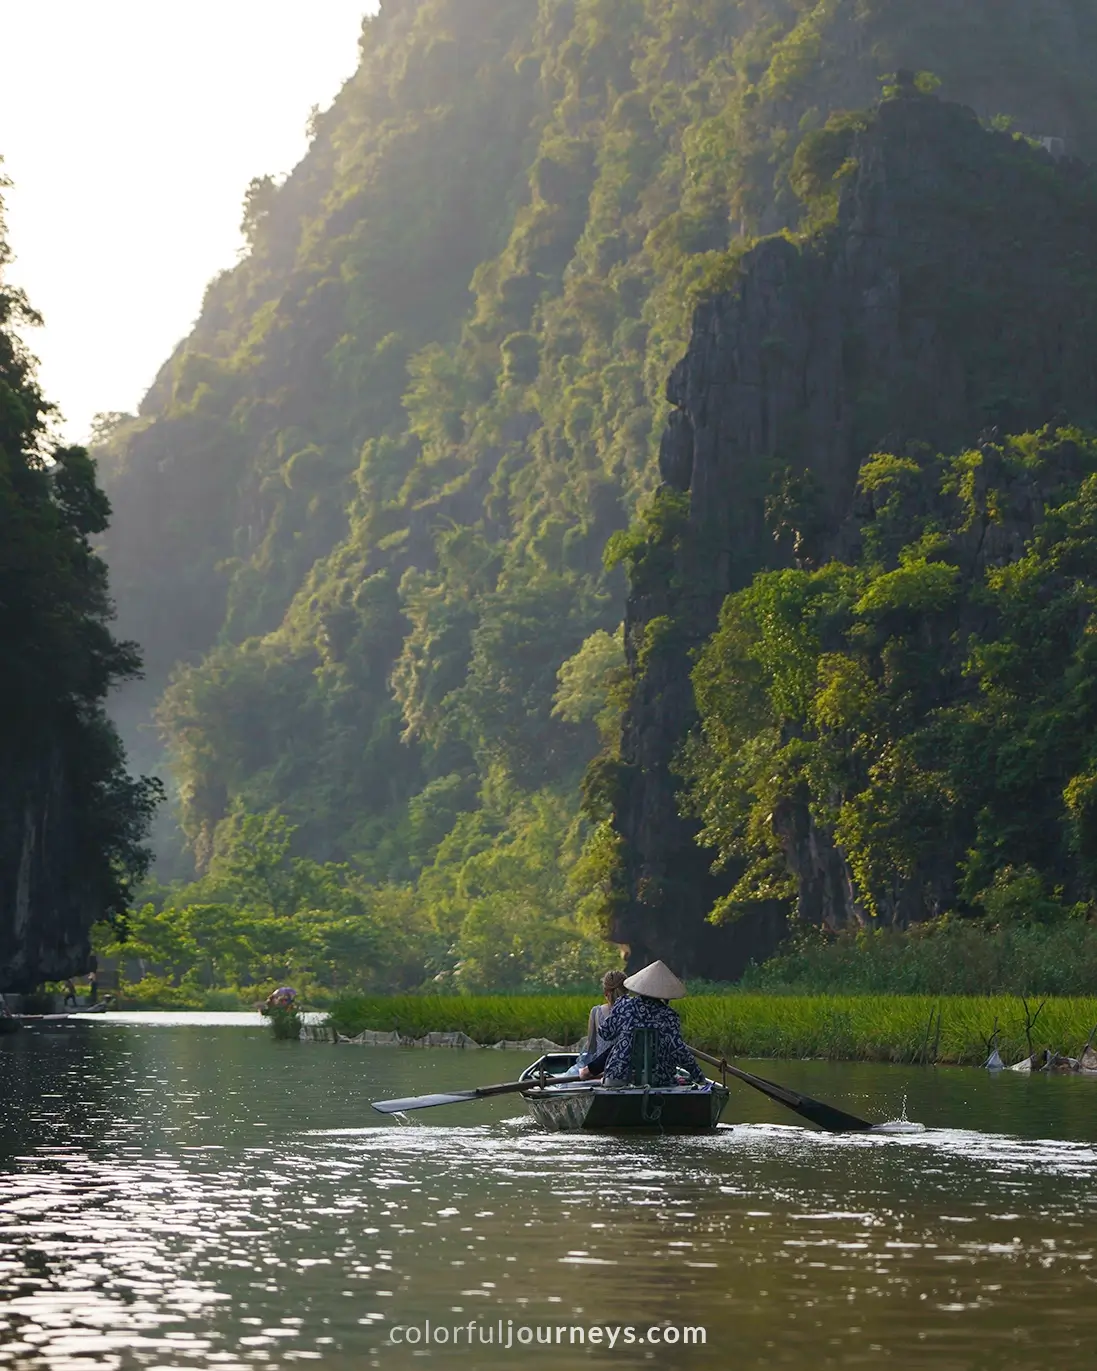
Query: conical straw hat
{"points": [[658, 981]]}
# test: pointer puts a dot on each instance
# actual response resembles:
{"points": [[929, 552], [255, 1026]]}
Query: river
{"points": [[199, 1195]]}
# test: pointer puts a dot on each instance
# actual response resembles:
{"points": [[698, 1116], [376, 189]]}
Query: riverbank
{"points": [[875, 1028]]}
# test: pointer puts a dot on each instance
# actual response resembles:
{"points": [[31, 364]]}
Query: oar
{"points": [[825, 1115], [457, 1097]]}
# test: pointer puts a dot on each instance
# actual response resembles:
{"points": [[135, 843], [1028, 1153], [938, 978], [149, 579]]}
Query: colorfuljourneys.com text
{"points": [[503, 1334]]}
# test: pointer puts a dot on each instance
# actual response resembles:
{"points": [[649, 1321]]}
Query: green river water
{"points": [[198, 1195]]}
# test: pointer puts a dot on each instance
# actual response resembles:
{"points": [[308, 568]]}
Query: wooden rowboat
{"points": [[570, 1104], [100, 1007], [560, 1101]]}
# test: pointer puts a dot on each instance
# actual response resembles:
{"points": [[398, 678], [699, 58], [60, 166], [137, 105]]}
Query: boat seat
{"points": [[643, 1062]]}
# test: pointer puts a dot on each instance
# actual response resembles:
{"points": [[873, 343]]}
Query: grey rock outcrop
{"points": [[46, 913], [950, 296]]}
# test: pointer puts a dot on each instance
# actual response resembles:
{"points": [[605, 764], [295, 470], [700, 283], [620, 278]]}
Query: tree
{"points": [[76, 821]]}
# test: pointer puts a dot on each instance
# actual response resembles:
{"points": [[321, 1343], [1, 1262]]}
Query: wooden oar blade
{"points": [[833, 1120], [829, 1118], [482, 1092], [422, 1102], [815, 1111]]}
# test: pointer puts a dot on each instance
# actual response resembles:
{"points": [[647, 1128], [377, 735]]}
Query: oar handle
{"points": [[721, 1062], [482, 1092], [771, 1088]]}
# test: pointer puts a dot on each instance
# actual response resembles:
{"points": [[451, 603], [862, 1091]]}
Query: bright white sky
{"points": [[131, 129]]}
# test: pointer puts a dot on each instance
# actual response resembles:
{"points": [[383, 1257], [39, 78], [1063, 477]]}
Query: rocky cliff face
{"points": [[949, 295], [46, 909]]}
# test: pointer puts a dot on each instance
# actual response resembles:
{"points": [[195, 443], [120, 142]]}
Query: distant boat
{"points": [[100, 1007], [570, 1105]]}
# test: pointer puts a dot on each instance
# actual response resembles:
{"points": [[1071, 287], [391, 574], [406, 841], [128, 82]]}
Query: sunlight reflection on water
{"points": [[211, 1198]]}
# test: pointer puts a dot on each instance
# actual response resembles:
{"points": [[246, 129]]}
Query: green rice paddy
{"points": [[883, 1028]]}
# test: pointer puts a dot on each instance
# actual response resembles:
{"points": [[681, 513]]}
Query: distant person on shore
{"points": [[70, 994], [93, 988], [613, 989]]}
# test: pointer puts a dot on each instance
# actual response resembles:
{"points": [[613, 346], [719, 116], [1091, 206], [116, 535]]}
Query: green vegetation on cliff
{"points": [[360, 516], [932, 705], [71, 820]]}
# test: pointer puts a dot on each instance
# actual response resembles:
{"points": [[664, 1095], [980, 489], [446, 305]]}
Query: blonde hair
{"points": [[613, 984]]}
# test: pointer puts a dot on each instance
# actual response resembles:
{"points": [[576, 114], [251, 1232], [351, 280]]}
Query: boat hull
{"points": [[570, 1105], [569, 1109]]}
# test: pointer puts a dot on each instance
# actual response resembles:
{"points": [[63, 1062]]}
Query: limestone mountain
{"points": [[360, 516]]}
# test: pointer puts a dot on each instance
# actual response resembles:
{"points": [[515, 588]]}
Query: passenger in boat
{"points": [[645, 1007], [613, 989]]}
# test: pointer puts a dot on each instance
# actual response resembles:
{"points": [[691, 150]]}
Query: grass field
{"points": [[945, 957], [889, 1028]]}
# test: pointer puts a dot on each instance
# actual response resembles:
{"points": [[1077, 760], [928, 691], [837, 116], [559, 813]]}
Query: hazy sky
{"points": [[131, 129]]}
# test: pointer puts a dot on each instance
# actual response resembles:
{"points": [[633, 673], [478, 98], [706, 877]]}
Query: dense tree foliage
{"points": [[361, 513], [494, 910], [67, 806], [261, 916], [932, 704]]}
